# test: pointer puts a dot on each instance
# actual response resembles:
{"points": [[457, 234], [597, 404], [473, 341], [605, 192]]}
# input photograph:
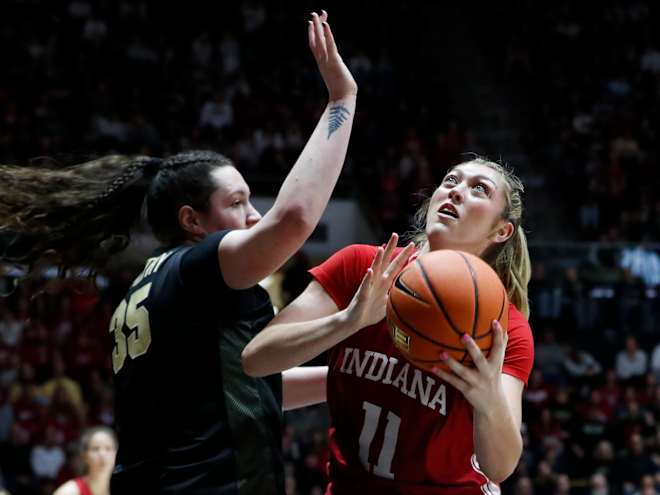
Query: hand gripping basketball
{"points": [[368, 305], [481, 387]]}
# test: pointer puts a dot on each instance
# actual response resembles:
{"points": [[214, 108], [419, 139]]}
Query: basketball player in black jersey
{"points": [[189, 420]]}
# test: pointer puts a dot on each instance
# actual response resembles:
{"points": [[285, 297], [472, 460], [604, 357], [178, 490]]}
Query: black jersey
{"points": [[189, 420]]}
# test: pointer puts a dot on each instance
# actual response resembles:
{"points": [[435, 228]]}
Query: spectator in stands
{"points": [[550, 357], [581, 365], [60, 380], [599, 485], [631, 362], [655, 360], [47, 457]]}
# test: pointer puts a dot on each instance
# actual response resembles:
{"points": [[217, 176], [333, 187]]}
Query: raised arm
{"points": [[248, 256], [313, 323]]}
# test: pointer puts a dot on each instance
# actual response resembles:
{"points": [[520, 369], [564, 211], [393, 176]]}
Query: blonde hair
{"points": [[509, 259]]}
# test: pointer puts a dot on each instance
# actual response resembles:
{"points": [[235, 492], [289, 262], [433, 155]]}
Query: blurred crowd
{"points": [[83, 78], [591, 75]]}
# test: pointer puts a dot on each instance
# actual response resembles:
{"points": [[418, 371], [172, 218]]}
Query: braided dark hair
{"points": [[83, 214]]}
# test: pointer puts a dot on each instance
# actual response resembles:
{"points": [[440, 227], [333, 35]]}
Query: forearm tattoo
{"points": [[338, 115]]}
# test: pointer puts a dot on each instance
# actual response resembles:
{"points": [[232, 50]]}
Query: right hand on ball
{"points": [[337, 77], [368, 305]]}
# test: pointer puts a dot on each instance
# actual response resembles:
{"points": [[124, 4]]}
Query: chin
{"points": [[437, 238]]}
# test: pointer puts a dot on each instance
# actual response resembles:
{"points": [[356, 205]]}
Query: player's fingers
{"points": [[377, 263], [466, 374], [324, 16], [499, 344], [452, 380], [365, 285], [477, 356], [320, 38], [311, 35], [399, 262], [329, 38], [391, 246]]}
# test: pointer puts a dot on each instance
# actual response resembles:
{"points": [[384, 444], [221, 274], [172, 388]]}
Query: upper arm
{"points": [[68, 488], [513, 390], [247, 256], [312, 304]]}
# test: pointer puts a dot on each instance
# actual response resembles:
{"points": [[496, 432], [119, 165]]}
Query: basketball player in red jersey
{"points": [[397, 429], [98, 447]]}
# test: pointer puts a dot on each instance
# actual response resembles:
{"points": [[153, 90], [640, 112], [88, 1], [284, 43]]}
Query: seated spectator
{"points": [[581, 365], [11, 328], [538, 393], [603, 459], [611, 390], [550, 357], [635, 463], [524, 486], [60, 380], [631, 362], [47, 457], [655, 360], [599, 485]]}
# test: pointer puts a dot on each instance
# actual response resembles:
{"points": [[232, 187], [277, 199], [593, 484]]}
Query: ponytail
{"points": [[77, 215], [83, 214], [513, 266]]}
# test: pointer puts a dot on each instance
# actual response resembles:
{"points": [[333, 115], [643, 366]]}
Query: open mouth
{"points": [[448, 210]]}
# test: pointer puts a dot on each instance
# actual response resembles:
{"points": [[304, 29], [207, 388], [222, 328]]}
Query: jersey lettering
{"points": [[410, 381]]}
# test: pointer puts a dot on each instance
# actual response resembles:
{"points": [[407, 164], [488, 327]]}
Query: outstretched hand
{"points": [[370, 301], [337, 77], [482, 385]]}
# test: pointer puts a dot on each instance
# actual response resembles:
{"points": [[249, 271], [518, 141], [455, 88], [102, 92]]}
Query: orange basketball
{"points": [[439, 297]]}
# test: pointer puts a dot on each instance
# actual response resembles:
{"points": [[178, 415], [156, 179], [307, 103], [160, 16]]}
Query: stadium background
{"points": [[568, 93]]}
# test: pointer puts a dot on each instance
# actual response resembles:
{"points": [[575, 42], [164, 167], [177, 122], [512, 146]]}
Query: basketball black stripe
{"points": [[476, 293], [418, 333], [437, 299]]}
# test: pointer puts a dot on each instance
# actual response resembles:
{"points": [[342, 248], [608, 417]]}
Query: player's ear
{"points": [[503, 232], [190, 221]]}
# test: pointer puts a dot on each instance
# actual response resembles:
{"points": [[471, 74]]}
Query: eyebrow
{"points": [[480, 177], [242, 192]]}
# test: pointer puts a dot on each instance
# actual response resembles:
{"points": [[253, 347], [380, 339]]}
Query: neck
{"points": [[99, 483]]}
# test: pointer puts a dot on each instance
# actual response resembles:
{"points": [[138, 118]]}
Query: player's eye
{"points": [[483, 188]]}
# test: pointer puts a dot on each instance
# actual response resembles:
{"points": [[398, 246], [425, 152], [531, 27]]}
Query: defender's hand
{"points": [[337, 77]]}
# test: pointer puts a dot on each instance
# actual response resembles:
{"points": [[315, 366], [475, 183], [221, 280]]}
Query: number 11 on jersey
{"points": [[372, 415]]}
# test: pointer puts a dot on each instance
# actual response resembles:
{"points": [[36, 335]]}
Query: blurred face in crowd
{"points": [[598, 484], [100, 453], [465, 212]]}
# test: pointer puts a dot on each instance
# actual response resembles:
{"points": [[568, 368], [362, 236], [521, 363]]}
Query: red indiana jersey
{"points": [[397, 429]]}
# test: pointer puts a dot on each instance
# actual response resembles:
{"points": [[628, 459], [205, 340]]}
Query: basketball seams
{"points": [[404, 289], [475, 313], [437, 298], [418, 333]]}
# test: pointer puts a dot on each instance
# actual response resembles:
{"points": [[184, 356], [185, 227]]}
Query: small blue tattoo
{"points": [[338, 116]]}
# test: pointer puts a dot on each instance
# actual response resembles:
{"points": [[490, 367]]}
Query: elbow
{"points": [[498, 475], [297, 220], [249, 360], [505, 466]]}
